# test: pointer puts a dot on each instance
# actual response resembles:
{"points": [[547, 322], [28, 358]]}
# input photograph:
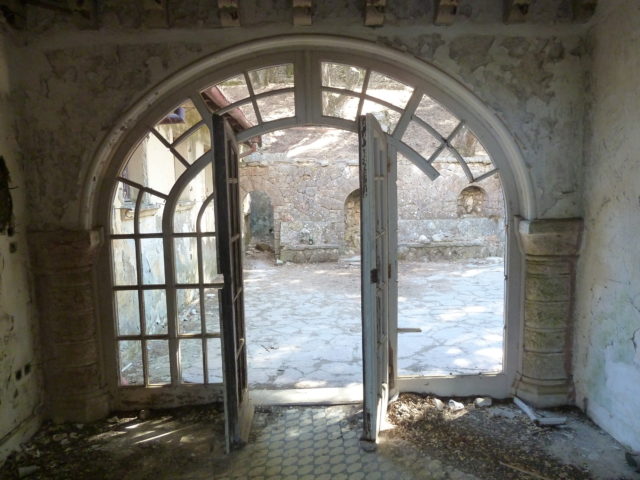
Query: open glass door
{"points": [[377, 273], [237, 406]]}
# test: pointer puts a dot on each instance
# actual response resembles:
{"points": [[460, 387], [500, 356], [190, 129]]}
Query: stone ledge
{"points": [[551, 237]]}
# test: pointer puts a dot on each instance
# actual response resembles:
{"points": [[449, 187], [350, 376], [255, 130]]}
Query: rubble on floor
{"points": [[501, 442]]}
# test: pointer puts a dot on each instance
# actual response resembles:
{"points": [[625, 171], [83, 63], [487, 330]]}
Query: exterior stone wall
{"points": [[310, 197]]}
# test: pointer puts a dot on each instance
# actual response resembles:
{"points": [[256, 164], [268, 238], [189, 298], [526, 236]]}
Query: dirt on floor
{"points": [[500, 442], [490, 443], [159, 444]]}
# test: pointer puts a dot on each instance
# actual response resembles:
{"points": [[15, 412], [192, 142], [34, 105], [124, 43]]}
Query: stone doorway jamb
{"points": [[551, 248]]}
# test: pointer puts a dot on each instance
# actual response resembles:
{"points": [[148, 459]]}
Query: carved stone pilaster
{"points": [[63, 266], [551, 249]]}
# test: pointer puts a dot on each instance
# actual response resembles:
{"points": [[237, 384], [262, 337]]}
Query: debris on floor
{"points": [[151, 444], [500, 442], [539, 419], [428, 440]]}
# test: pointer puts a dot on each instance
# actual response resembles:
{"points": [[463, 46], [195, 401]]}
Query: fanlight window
{"points": [[165, 274]]}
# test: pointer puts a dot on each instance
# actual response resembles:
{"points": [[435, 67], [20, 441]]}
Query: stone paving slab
{"points": [[304, 325]]}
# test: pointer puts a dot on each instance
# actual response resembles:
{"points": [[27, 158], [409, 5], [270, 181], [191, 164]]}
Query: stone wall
{"points": [[20, 368], [607, 334], [310, 197]]}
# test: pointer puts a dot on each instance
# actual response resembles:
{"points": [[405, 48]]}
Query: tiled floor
{"points": [[322, 443]]}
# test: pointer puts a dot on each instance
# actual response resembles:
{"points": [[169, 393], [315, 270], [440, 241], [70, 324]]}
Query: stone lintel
{"points": [[551, 237]]}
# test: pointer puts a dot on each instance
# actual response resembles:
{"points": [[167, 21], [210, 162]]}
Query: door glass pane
{"points": [[123, 253], [124, 202], [389, 90], [339, 105], [158, 360], [191, 360], [212, 310], [128, 313], [130, 357], [435, 115], [152, 165], [339, 75], [249, 114], [150, 216], [471, 150], [186, 260], [420, 140], [152, 261], [271, 78], [210, 260], [178, 121], [188, 304], [195, 145], [234, 88], [197, 191], [277, 106], [386, 117], [214, 359], [208, 218], [155, 312]]}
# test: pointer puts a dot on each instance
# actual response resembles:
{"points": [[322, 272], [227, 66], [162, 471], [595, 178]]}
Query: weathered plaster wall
{"points": [[20, 390], [78, 82], [607, 348]]}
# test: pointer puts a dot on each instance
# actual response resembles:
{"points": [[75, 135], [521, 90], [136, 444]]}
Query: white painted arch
{"points": [[457, 98]]}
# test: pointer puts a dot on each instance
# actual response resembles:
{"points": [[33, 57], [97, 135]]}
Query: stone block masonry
{"points": [[314, 218]]}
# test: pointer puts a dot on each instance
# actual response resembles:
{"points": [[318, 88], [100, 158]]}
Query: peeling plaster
{"points": [[20, 387], [607, 356]]}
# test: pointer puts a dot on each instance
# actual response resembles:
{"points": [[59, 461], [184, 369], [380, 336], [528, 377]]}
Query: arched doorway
{"points": [[260, 227], [352, 223], [196, 90]]}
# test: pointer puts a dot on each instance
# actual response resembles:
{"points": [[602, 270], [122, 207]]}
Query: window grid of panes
{"points": [[167, 329]]}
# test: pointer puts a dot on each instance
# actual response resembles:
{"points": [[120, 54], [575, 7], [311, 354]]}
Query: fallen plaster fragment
{"points": [[483, 402], [439, 404], [455, 406], [537, 419]]}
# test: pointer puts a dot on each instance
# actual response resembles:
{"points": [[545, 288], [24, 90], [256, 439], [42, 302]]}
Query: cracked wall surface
{"points": [[20, 390], [607, 358], [77, 83]]}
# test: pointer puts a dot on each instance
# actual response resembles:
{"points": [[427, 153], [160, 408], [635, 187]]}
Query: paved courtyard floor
{"points": [[304, 326]]}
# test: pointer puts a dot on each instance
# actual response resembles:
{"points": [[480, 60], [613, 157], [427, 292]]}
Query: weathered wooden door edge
{"points": [[237, 404]]}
